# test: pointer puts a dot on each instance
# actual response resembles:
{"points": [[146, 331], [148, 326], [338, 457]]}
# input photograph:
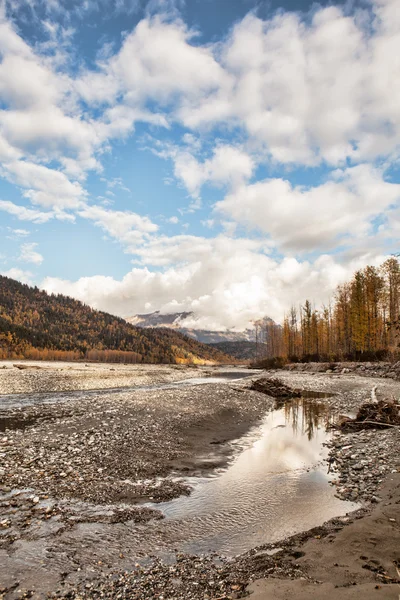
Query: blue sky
{"points": [[224, 157]]}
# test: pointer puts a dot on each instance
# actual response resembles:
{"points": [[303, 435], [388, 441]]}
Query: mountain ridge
{"points": [[176, 322], [35, 324]]}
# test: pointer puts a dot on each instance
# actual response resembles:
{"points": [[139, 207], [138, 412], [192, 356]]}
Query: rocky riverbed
{"points": [[75, 475], [362, 461], [389, 370], [40, 377]]}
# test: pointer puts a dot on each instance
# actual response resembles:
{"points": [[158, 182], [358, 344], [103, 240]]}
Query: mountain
{"points": [[177, 321], [156, 319], [34, 324]]}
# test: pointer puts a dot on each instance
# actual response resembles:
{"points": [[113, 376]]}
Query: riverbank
{"points": [[389, 370], [77, 472], [40, 377]]}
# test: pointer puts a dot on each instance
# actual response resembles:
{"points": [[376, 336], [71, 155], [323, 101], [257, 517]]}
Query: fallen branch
{"points": [[372, 423], [383, 413]]}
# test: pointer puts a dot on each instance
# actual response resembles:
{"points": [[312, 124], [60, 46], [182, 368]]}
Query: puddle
{"points": [[277, 486]]}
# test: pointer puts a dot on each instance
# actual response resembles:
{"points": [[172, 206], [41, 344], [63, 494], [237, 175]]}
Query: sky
{"points": [[226, 157]]}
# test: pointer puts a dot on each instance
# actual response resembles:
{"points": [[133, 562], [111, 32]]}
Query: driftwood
{"points": [[384, 413], [375, 423], [275, 388]]}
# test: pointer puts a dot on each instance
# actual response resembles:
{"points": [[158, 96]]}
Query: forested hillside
{"points": [[241, 350], [362, 321], [36, 325]]}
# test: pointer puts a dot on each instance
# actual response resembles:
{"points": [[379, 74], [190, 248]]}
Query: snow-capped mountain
{"points": [[184, 321]]}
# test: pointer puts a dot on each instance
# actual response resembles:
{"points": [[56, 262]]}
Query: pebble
{"points": [[359, 478]]}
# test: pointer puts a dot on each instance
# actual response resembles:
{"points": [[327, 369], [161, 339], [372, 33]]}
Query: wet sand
{"points": [[85, 465], [359, 562]]}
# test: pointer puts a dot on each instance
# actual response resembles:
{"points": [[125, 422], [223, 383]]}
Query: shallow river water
{"points": [[9, 401], [276, 486]]}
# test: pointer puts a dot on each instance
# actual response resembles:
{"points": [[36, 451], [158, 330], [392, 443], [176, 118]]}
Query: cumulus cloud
{"points": [[127, 227], [29, 254], [228, 165], [285, 81], [20, 274], [320, 217], [142, 73], [226, 282], [298, 94], [48, 187], [304, 97], [41, 113], [159, 71]]}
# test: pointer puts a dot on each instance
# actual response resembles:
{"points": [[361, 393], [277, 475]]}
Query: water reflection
{"points": [[307, 416], [277, 485]]}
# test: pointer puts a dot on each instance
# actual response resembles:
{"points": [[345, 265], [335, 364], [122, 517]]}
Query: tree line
{"points": [[361, 322]]}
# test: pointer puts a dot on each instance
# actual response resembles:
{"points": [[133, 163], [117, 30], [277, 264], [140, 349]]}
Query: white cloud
{"points": [[29, 254], [17, 233], [298, 94], [148, 70], [42, 115], [142, 72], [117, 182], [313, 218], [48, 187], [164, 250], [226, 282], [25, 214], [303, 96], [228, 165], [7, 152], [127, 227], [19, 274]]}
